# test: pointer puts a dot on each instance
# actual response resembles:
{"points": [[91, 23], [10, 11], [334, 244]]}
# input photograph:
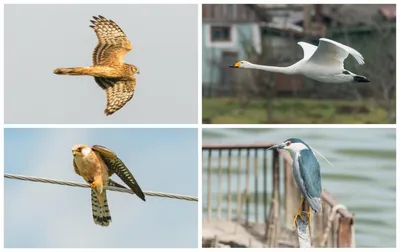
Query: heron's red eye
{"points": [[288, 143]]}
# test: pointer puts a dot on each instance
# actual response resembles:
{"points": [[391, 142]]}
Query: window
{"points": [[220, 33]]}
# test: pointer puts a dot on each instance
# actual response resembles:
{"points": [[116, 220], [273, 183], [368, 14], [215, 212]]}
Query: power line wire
{"points": [[110, 188]]}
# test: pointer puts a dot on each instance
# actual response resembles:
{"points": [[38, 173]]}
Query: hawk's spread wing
{"points": [[115, 165], [118, 92], [113, 43]]}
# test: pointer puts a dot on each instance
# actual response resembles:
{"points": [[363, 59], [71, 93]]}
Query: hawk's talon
{"points": [[94, 184]]}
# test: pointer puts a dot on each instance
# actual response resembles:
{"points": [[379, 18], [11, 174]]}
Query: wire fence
{"points": [[110, 188]]}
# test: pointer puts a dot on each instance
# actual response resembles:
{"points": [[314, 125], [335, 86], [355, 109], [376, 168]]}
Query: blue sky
{"points": [[46, 215]]}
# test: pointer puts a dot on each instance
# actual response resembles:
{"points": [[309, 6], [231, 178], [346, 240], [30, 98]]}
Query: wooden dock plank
{"points": [[234, 234]]}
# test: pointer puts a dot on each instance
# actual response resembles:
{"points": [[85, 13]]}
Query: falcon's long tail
{"points": [[100, 210], [73, 71]]}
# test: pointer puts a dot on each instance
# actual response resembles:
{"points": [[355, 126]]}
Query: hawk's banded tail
{"points": [[73, 71], [100, 210]]}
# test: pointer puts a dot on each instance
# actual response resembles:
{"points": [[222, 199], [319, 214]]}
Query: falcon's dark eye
{"points": [[288, 143], [79, 149]]}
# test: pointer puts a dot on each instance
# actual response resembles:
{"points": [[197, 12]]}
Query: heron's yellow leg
{"points": [[309, 218], [298, 213]]}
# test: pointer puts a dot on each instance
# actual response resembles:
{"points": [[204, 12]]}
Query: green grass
{"points": [[293, 110]]}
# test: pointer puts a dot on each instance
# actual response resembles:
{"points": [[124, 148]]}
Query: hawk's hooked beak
{"points": [[276, 147], [236, 65], [138, 71]]}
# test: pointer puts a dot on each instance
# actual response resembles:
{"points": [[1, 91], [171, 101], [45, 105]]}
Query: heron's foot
{"points": [[298, 214]]}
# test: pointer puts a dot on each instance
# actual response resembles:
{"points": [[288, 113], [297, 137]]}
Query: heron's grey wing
{"points": [[310, 173], [115, 165]]}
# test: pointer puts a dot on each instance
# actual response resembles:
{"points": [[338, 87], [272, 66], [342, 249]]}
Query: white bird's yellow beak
{"points": [[236, 65]]}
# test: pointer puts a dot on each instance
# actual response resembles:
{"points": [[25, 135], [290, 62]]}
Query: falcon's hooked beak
{"points": [[277, 147], [79, 149], [74, 152], [236, 65]]}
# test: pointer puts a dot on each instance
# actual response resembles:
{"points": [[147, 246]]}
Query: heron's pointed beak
{"points": [[236, 65], [276, 147]]}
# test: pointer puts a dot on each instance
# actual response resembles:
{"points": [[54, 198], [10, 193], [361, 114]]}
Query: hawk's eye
{"points": [[79, 149], [288, 143]]}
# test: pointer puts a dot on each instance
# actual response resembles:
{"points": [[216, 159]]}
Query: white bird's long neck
{"points": [[284, 70]]}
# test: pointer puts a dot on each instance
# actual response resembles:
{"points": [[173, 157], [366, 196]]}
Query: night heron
{"points": [[306, 172]]}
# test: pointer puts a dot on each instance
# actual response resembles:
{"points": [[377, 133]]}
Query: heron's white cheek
{"points": [[297, 147]]}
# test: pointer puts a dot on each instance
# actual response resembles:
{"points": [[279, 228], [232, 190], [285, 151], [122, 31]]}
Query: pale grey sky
{"points": [[40, 38]]}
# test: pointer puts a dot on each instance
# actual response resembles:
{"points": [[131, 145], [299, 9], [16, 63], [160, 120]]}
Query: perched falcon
{"points": [[96, 165], [110, 72]]}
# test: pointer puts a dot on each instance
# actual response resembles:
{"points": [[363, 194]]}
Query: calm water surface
{"points": [[363, 179]]}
